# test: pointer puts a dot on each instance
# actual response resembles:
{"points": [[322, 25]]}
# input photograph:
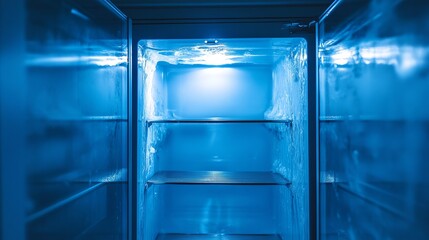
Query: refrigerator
{"points": [[214, 119]]}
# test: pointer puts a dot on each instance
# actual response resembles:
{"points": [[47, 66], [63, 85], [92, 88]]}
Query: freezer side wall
{"points": [[290, 150], [151, 105], [374, 120], [70, 134]]}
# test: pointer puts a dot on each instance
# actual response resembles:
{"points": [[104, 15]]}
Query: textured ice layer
{"points": [[289, 78], [218, 52], [290, 154]]}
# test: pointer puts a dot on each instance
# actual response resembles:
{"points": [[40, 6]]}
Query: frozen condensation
{"points": [[291, 150]]}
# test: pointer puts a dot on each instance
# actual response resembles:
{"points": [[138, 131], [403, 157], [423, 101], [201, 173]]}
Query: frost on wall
{"points": [[290, 154], [289, 75], [150, 107], [154, 97], [153, 94]]}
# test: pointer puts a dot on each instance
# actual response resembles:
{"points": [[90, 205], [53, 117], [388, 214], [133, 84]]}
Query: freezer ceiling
{"points": [[221, 9], [222, 51]]}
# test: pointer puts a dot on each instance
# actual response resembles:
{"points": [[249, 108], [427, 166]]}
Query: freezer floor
{"points": [[218, 237]]}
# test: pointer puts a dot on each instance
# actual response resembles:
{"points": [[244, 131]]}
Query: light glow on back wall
{"points": [[219, 79]]}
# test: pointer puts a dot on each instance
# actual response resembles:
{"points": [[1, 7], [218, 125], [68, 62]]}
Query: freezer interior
{"points": [[274, 120], [222, 139]]}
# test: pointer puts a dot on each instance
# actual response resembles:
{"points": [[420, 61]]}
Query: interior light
{"points": [[216, 59], [211, 42]]}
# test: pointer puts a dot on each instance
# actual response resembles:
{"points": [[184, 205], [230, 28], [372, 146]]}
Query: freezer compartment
{"points": [[217, 211], [373, 122], [223, 114], [76, 121], [215, 146], [74, 160]]}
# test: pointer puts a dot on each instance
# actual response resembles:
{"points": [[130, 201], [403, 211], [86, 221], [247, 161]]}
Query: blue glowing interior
{"points": [[221, 129], [225, 148]]}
